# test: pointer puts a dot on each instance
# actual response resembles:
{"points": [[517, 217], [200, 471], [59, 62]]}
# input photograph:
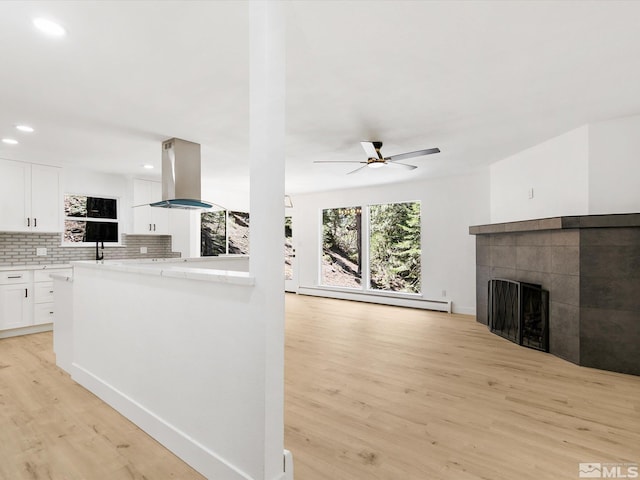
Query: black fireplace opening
{"points": [[519, 312]]}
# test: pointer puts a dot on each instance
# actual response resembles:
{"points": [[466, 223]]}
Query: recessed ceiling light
{"points": [[10, 141], [24, 128], [49, 27], [148, 167]]}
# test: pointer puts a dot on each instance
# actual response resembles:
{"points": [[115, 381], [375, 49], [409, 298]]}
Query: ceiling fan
{"points": [[376, 160]]}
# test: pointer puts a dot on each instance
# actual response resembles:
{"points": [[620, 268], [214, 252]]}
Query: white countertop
{"points": [[178, 268], [11, 268]]}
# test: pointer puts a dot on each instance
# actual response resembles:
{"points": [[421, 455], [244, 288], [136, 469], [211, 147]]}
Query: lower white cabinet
{"points": [[16, 305], [26, 297]]}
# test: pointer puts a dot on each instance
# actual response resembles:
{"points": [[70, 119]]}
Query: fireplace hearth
{"points": [[519, 312]]}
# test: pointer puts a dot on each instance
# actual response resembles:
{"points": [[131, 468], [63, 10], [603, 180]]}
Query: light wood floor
{"points": [[372, 392], [377, 392]]}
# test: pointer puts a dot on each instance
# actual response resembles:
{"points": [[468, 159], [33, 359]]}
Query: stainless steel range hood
{"points": [[181, 176]]}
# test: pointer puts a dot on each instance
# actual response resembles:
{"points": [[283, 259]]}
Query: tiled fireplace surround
{"points": [[591, 267]]}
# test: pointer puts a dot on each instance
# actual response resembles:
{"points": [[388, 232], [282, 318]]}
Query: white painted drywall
{"points": [[556, 170], [448, 207], [614, 166]]}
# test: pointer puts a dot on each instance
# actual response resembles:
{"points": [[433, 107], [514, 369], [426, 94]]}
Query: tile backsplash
{"points": [[17, 248]]}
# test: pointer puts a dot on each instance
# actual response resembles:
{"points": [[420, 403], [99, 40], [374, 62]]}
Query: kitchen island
{"points": [[178, 348]]}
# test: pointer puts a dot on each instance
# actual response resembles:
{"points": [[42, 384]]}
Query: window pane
{"points": [[288, 249], [394, 247], [213, 233], [341, 241], [101, 232], [238, 232], [74, 231], [75, 206], [101, 208]]}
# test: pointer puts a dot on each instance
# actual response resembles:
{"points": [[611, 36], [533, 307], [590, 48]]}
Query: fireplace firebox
{"points": [[519, 312]]}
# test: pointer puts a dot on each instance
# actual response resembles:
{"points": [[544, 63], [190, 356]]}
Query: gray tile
{"points": [[606, 261], [566, 237], [550, 223], [610, 236], [616, 220], [570, 222], [610, 293], [565, 289], [564, 330], [610, 339], [537, 278], [483, 239], [504, 273], [524, 226], [565, 260], [536, 259], [502, 256], [504, 239], [483, 255], [533, 238]]}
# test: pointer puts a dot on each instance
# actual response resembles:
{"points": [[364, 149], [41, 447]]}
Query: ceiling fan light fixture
{"points": [[376, 165]]}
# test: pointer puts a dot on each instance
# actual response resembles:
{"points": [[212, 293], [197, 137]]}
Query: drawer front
{"points": [[43, 292], [15, 276], [45, 275], [43, 313]]}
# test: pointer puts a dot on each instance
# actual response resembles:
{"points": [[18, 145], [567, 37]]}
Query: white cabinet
{"points": [[16, 299], [26, 298], [30, 199], [148, 220], [43, 311]]}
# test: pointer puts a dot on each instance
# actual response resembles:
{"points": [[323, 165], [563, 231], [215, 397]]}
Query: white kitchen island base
{"points": [[177, 350]]}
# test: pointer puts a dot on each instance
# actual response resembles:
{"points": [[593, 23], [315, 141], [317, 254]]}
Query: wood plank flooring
{"points": [[372, 392], [378, 392], [52, 428]]}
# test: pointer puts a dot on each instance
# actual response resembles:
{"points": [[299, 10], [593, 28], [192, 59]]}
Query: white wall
{"points": [[448, 207], [87, 182], [614, 166], [556, 170]]}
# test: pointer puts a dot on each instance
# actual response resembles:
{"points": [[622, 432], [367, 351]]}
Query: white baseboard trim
{"points": [[14, 332], [195, 454], [439, 305]]}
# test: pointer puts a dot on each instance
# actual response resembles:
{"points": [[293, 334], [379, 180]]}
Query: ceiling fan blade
{"points": [[370, 149], [401, 165], [337, 161], [357, 169], [418, 153]]}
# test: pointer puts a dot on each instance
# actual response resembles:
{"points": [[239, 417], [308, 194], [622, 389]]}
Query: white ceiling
{"points": [[480, 80]]}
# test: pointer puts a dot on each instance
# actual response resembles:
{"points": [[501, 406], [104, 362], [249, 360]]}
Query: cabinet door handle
{"points": [[15, 276], [35, 222], [26, 292], [28, 222], [154, 227], [50, 291], [149, 227]]}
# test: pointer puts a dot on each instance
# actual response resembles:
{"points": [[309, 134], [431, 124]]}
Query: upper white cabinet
{"points": [[148, 220], [30, 198]]}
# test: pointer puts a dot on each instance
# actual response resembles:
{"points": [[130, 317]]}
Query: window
{"points": [[394, 247], [224, 232], [379, 251], [238, 225], [341, 247], [90, 219], [213, 233]]}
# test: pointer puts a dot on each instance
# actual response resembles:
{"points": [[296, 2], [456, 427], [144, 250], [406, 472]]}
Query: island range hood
{"points": [[181, 176]]}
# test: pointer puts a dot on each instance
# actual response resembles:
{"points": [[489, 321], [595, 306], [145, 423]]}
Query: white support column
{"points": [[267, 150]]}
